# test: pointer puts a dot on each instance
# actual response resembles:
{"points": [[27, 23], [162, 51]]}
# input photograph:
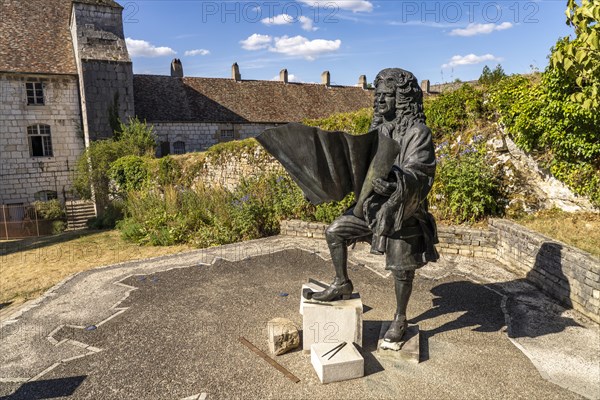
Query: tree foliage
{"points": [[579, 58], [489, 77], [92, 170], [454, 111]]}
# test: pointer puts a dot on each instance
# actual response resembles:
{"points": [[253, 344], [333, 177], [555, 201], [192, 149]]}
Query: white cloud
{"points": [[291, 78], [297, 46], [307, 24], [301, 46], [281, 19], [480, 29], [285, 19], [352, 5], [256, 42], [470, 59], [142, 48], [197, 52]]}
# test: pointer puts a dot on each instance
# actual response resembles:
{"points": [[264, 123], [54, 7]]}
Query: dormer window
{"points": [[35, 93], [40, 142]]}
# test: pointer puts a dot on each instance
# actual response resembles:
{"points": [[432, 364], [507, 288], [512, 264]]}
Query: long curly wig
{"points": [[409, 97]]}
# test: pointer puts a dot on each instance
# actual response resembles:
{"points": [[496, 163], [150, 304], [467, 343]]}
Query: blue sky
{"points": [[437, 40]]}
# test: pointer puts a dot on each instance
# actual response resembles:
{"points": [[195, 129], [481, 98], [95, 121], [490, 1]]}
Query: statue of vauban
{"points": [[393, 215]]}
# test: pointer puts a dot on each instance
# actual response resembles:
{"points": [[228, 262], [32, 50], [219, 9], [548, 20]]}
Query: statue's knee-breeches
{"points": [[346, 228], [404, 276], [333, 234]]}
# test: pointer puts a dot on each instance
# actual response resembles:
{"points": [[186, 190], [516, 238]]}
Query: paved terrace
{"points": [[168, 328]]}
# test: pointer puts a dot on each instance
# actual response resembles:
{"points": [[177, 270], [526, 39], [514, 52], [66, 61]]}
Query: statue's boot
{"points": [[403, 282], [341, 288], [397, 329]]}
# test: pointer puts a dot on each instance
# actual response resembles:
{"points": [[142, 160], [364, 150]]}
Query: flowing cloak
{"points": [[329, 165]]}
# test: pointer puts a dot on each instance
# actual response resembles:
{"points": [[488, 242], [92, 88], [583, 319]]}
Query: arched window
{"points": [[45, 195], [40, 142], [179, 147]]}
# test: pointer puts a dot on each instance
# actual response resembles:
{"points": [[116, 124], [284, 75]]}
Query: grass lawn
{"points": [[581, 230], [29, 267]]}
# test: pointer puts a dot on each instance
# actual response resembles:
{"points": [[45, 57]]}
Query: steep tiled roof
{"points": [[163, 98], [35, 35]]}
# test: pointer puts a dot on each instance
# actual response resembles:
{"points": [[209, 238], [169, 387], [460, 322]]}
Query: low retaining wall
{"points": [[565, 273], [568, 274]]}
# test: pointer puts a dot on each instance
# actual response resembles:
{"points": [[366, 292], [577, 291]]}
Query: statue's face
{"points": [[385, 100]]}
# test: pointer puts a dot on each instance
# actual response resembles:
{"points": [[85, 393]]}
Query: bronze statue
{"points": [[391, 212]]}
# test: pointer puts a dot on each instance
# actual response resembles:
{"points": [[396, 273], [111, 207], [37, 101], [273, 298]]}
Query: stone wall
{"points": [[568, 274], [230, 169], [104, 67], [22, 175], [565, 273], [107, 85], [199, 136]]}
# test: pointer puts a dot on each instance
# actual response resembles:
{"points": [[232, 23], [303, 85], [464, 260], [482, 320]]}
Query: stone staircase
{"points": [[78, 213]]}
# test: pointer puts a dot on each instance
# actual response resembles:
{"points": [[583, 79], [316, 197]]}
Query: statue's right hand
{"points": [[383, 187]]}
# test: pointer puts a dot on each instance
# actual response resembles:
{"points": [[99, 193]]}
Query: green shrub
{"points": [[222, 152], [138, 137], [58, 227], [169, 171], [541, 116], [453, 112], [466, 188], [129, 173], [109, 216], [174, 216], [50, 210], [355, 123], [328, 212], [92, 167]]}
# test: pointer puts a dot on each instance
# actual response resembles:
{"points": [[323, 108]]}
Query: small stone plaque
{"points": [[332, 366], [407, 349]]}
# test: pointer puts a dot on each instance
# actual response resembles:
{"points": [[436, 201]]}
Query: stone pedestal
{"points": [[331, 322], [407, 349], [346, 364]]}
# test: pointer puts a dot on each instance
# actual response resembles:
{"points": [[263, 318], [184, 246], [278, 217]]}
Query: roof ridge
{"points": [[250, 80]]}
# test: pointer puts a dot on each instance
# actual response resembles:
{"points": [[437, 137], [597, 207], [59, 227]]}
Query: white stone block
{"points": [[346, 364], [331, 322], [407, 349]]}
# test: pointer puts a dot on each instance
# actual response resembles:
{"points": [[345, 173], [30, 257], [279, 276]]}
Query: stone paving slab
{"points": [[168, 328]]}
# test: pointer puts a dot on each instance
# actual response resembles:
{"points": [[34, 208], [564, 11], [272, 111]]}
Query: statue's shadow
{"points": [[517, 307]]}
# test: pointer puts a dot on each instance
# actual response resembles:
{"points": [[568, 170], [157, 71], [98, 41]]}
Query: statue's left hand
{"points": [[383, 187]]}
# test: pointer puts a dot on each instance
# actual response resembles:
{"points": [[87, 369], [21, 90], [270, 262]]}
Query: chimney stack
{"points": [[362, 81], [425, 86], [235, 72], [176, 68], [326, 78], [283, 76]]}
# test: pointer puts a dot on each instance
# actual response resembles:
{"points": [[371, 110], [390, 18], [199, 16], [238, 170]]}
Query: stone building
{"points": [[64, 68], [66, 79], [192, 114]]}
